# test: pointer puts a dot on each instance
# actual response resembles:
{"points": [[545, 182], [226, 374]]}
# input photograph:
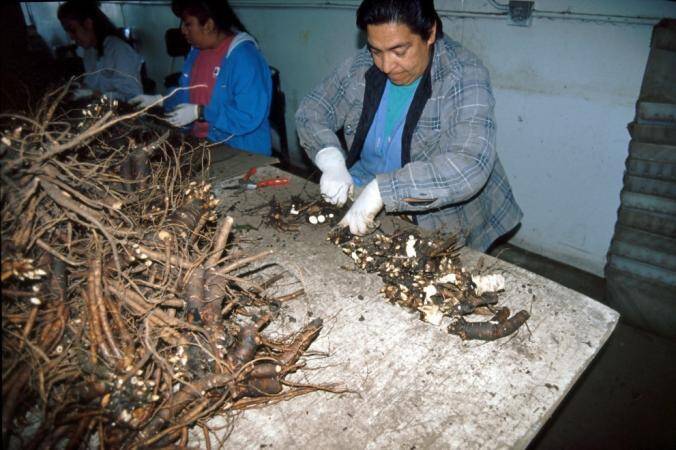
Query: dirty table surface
{"points": [[414, 385]]}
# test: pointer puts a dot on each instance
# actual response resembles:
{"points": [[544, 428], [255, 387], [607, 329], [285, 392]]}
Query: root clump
{"points": [[424, 274], [124, 315]]}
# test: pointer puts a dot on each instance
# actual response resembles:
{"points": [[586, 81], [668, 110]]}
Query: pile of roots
{"points": [[289, 216], [126, 316], [425, 274]]}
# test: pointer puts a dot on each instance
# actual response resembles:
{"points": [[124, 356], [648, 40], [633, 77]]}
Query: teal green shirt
{"points": [[398, 102], [382, 148]]}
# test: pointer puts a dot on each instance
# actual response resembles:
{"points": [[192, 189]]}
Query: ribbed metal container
{"points": [[641, 266]]}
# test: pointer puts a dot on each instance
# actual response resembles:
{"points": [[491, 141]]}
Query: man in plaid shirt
{"points": [[416, 110]]}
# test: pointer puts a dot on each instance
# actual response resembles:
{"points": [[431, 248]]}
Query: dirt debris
{"points": [[424, 273]]}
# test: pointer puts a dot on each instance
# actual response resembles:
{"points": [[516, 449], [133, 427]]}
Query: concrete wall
{"points": [[565, 89]]}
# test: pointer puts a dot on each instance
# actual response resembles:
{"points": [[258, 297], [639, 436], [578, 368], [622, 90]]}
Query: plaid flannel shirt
{"points": [[451, 179]]}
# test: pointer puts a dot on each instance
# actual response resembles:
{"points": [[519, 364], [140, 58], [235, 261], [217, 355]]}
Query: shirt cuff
{"points": [[398, 199]]}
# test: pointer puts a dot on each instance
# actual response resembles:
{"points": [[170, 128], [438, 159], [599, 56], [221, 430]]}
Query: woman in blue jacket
{"points": [[226, 86]]}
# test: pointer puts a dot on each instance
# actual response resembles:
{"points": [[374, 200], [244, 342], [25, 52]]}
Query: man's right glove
{"points": [[336, 182], [143, 101]]}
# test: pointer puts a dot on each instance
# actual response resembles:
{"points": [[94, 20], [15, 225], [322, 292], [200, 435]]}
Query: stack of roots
{"points": [[289, 217], [126, 315], [425, 274]]}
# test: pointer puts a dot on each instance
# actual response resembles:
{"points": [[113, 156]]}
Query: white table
{"points": [[416, 386]]}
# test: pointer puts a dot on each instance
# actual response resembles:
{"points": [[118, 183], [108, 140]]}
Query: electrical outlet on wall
{"points": [[521, 12]]}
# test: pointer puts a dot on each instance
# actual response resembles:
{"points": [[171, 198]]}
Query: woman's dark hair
{"points": [[419, 15], [220, 12], [80, 10]]}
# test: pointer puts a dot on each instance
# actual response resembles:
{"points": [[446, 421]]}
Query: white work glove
{"points": [[143, 101], [77, 94], [183, 114], [336, 182], [360, 217]]}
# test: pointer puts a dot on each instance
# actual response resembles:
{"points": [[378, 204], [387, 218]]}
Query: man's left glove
{"points": [[360, 217], [183, 114], [77, 94]]}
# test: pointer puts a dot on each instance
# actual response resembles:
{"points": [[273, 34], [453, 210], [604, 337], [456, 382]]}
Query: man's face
{"points": [[398, 52]]}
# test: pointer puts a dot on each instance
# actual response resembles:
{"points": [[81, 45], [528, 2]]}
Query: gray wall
{"points": [[565, 89]]}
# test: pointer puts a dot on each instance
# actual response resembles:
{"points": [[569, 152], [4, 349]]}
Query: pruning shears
{"points": [[245, 182]]}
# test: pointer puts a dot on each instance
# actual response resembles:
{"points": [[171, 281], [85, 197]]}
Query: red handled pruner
{"points": [[245, 182]]}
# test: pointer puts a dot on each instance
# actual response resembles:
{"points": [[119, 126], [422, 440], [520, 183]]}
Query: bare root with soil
{"points": [[289, 217], [126, 318], [425, 274]]}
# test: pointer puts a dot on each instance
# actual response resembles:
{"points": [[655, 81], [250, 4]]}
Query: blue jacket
{"points": [[240, 102]]}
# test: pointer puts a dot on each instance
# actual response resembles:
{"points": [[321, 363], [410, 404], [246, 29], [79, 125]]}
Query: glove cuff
{"points": [[373, 191], [330, 158]]}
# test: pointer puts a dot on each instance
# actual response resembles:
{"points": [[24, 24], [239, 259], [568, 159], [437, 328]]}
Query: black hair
{"points": [[419, 15], [220, 12], [80, 10]]}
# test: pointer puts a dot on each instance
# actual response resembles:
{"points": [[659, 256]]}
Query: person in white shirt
{"points": [[112, 66]]}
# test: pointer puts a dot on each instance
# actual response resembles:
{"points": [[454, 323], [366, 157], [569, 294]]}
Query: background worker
{"points": [[416, 110], [112, 67], [229, 80]]}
